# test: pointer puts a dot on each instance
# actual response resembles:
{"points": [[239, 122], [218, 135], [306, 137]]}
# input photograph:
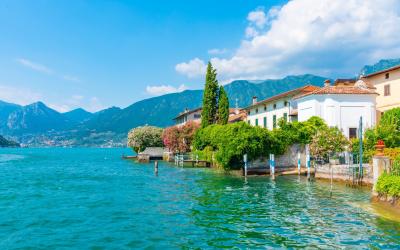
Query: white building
{"points": [[341, 105], [267, 113], [235, 115], [188, 115]]}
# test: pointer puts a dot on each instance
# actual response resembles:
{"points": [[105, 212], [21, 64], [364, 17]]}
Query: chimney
{"points": [[254, 100], [327, 83]]}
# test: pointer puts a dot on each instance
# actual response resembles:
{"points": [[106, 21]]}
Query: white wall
{"points": [[269, 113], [342, 111]]}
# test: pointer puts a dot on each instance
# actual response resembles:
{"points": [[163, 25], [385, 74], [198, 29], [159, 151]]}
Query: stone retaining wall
{"points": [[343, 172]]}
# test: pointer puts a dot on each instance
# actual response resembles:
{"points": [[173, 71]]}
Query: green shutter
{"points": [[265, 122], [285, 117], [256, 122], [274, 121]]}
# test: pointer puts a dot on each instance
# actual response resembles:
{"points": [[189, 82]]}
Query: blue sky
{"points": [[96, 54]]}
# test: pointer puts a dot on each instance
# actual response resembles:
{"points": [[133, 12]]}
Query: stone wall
{"points": [[343, 172], [287, 160]]}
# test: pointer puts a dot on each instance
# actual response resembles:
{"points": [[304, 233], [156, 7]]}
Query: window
{"points": [[285, 117], [387, 90], [256, 110], [285, 103], [256, 122], [274, 105], [274, 121], [248, 122], [197, 116], [387, 76], [265, 122], [352, 133], [265, 107]]}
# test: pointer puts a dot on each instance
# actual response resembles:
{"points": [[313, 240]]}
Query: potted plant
{"points": [[380, 145]]}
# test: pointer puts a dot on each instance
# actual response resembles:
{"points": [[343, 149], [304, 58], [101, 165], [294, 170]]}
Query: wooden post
{"points": [[156, 167]]}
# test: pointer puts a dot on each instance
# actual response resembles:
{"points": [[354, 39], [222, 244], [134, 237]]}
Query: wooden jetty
{"points": [[196, 163], [129, 157]]}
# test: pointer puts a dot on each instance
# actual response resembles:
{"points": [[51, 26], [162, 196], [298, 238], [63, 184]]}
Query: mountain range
{"points": [[38, 125]]}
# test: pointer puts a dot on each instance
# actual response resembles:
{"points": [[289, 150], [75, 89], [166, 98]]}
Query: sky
{"points": [[98, 54]]}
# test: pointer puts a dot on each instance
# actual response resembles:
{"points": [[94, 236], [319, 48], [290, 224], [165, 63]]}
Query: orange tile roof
{"points": [[302, 90], [339, 90]]}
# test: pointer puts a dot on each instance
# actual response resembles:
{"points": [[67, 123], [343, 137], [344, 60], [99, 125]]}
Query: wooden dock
{"points": [[196, 163], [129, 157]]}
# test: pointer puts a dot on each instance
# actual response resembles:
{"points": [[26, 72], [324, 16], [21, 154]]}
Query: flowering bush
{"points": [[179, 139], [328, 141], [142, 137]]}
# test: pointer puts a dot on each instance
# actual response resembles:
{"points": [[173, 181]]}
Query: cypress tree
{"points": [[223, 106], [210, 97]]}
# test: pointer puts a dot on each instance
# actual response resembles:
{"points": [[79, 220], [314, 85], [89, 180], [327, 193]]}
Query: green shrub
{"points": [[230, 142], [388, 185], [387, 130]]}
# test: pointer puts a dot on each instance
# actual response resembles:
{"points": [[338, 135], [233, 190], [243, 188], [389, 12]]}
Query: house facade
{"points": [[387, 84], [340, 106], [267, 113], [188, 115], [235, 115]]}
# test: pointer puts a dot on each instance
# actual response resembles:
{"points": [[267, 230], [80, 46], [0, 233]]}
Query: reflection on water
{"points": [[90, 198]]}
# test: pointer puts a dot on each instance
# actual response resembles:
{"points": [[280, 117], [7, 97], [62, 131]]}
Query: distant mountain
{"points": [[38, 125], [6, 143], [381, 65], [35, 118], [78, 115], [5, 110]]}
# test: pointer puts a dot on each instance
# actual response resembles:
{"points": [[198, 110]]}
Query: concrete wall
{"points": [[343, 173], [342, 111]]}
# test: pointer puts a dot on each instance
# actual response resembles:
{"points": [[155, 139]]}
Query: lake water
{"points": [[91, 199]]}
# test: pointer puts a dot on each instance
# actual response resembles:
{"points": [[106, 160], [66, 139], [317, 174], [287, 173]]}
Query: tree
{"points": [[179, 139], [327, 142], [210, 97], [142, 137], [223, 107]]}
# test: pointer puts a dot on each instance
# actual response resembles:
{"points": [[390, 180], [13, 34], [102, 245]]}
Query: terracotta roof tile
{"points": [[339, 90], [302, 90]]}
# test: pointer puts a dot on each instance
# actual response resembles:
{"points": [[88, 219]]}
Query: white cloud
{"points": [[35, 66], [193, 68], [257, 17], [217, 51], [71, 78], [164, 89], [251, 32], [22, 96], [46, 70], [60, 108], [320, 37]]}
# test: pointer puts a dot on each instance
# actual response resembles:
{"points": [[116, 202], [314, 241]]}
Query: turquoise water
{"points": [[91, 199]]}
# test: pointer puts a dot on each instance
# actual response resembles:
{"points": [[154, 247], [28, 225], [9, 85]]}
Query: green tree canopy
{"points": [[210, 97], [223, 107]]}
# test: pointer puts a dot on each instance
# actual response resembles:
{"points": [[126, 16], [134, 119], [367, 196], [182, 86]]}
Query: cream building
{"points": [[267, 113], [387, 84]]}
